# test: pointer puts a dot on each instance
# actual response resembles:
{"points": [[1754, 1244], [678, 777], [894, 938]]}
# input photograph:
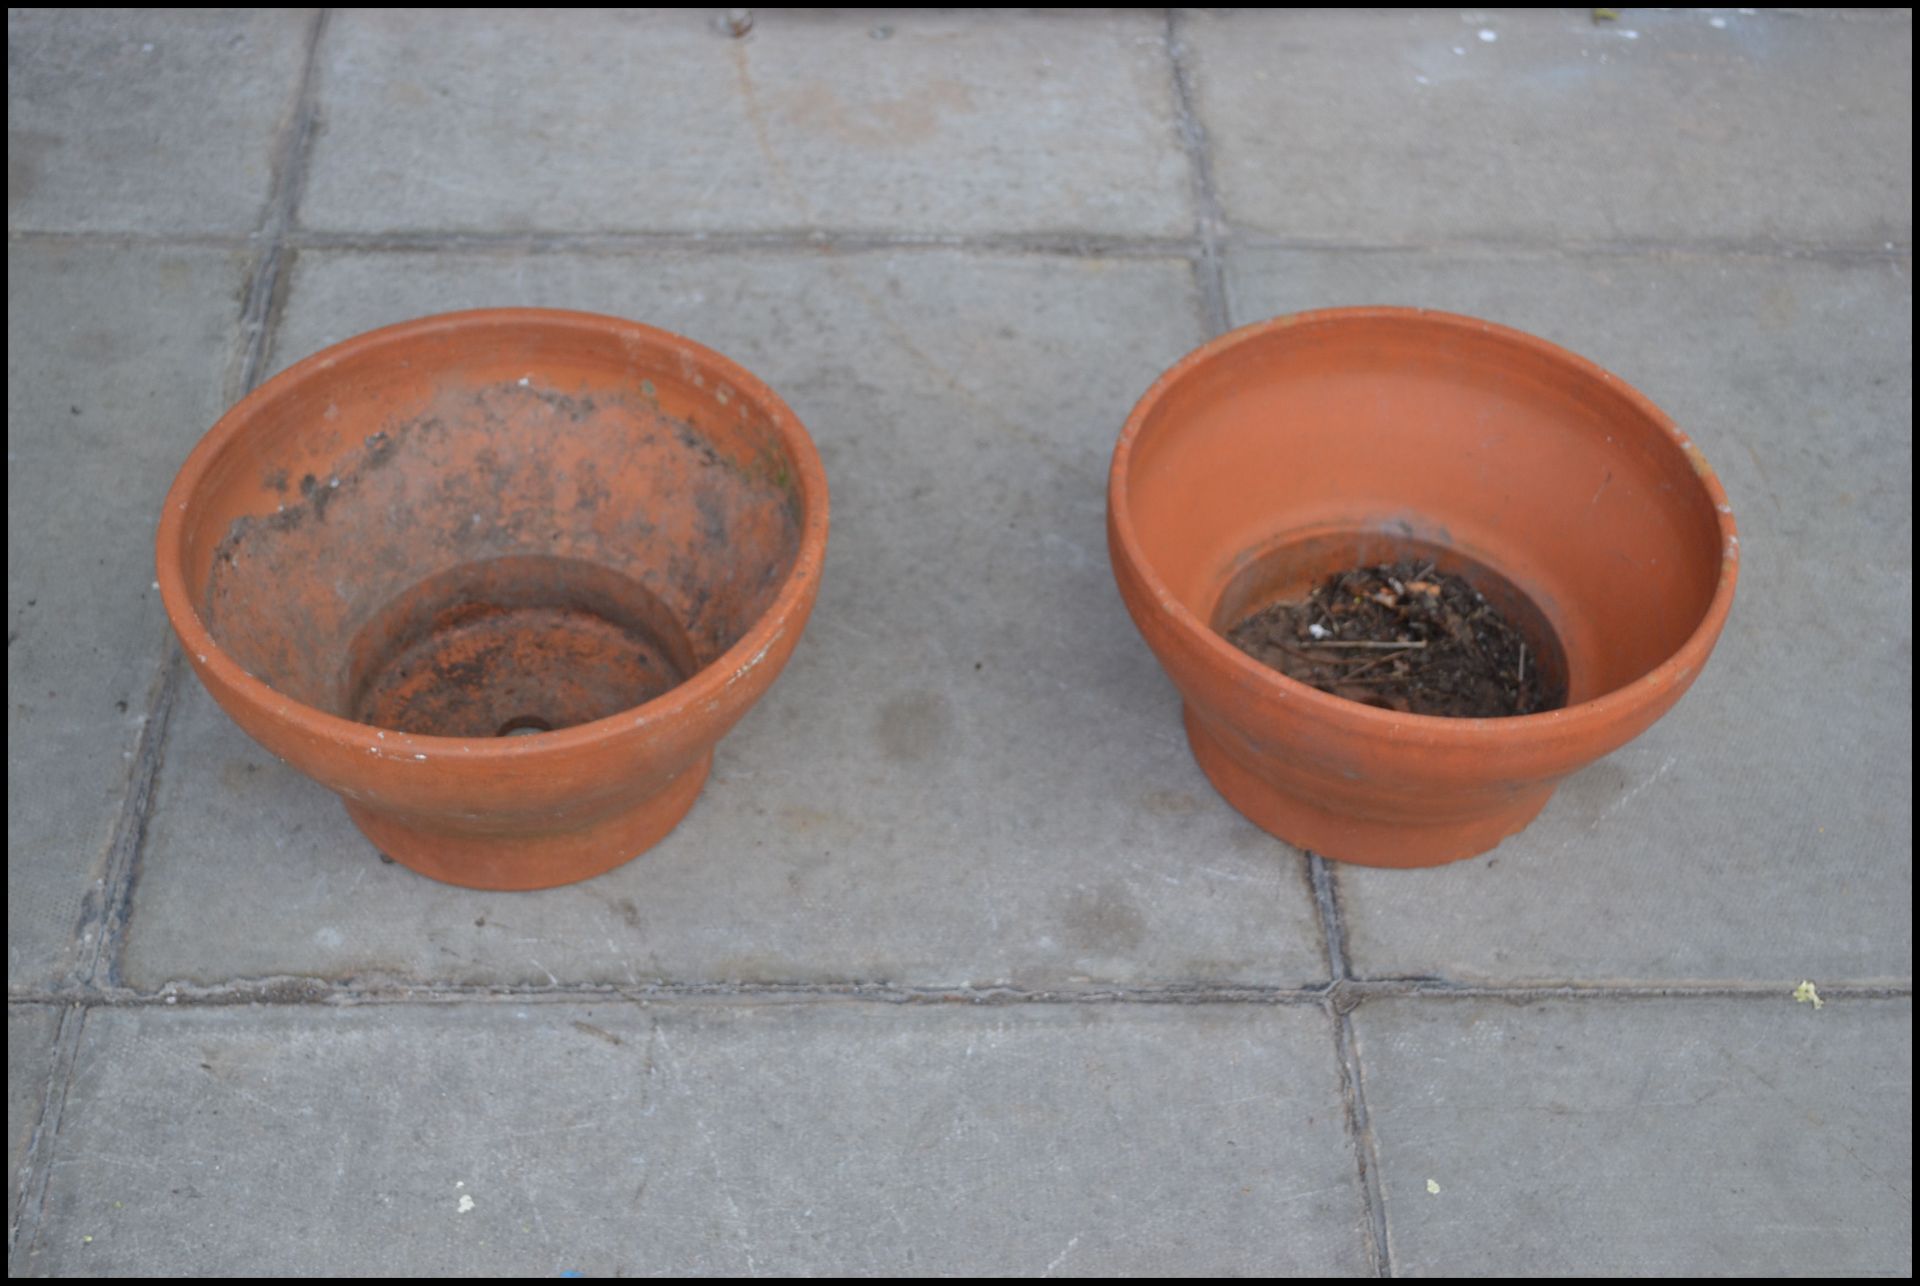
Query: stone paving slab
{"points": [[894, 122], [114, 364], [972, 771], [510, 1139], [1730, 1138], [30, 1035], [1764, 829], [1417, 127], [156, 121]]}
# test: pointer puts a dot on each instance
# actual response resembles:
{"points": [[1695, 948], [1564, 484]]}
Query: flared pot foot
{"points": [[538, 861], [1352, 837]]}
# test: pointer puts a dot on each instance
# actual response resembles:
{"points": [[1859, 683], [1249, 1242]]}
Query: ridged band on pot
{"points": [[498, 522], [1300, 446]]}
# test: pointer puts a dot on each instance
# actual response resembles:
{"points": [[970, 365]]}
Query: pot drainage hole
{"points": [[1405, 636]]}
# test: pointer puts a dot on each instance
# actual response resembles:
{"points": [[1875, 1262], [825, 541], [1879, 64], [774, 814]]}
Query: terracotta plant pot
{"points": [[500, 579], [1296, 448]]}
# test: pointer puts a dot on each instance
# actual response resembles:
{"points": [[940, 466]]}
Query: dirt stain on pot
{"points": [[503, 559]]}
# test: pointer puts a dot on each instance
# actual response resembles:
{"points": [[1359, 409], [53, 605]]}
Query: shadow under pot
{"points": [[500, 579], [1290, 451]]}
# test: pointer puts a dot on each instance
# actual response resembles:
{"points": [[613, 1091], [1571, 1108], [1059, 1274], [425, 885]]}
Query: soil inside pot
{"points": [[1404, 636]]}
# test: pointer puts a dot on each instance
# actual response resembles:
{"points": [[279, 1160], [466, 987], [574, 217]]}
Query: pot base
{"points": [[520, 861], [1344, 837]]}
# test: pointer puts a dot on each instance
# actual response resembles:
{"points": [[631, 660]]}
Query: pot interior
{"points": [[1316, 447], [493, 528]]}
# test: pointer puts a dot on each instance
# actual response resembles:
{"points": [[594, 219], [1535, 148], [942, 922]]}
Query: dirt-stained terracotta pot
{"points": [[500, 579], [1295, 448]]}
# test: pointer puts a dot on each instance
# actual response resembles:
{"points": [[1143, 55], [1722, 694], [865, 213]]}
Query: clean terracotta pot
{"points": [[500, 579], [1299, 447]]}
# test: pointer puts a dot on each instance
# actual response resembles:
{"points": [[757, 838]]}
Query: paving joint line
{"points": [[1333, 930], [36, 1160], [1343, 995], [1209, 268], [1065, 244], [1366, 1150], [266, 292], [1521, 247], [128, 238], [130, 830]]}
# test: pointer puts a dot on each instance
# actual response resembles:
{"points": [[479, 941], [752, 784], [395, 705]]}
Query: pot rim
{"points": [[1550, 725], [702, 688]]}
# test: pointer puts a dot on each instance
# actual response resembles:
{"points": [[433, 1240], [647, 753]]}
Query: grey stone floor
{"points": [[959, 966]]}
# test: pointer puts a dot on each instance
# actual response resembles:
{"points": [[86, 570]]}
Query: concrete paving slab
{"points": [[1643, 1138], [1763, 830], [895, 122], [782, 1139], [114, 364], [147, 121], [1417, 127], [972, 771], [31, 1030]]}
